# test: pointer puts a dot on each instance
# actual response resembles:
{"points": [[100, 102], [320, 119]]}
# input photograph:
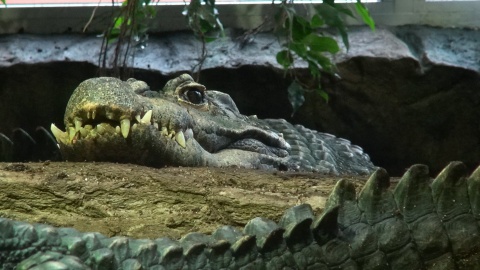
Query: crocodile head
{"points": [[107, 119]]}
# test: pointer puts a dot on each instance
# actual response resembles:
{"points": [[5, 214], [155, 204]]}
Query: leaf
{"points": [[323, 94], [363, 11], [195, 4], [316, 21], [151, 11], [321, 44], [118, 23], [344, 35], [321, 60], [3, 1], [284, 58], [295, 96], [300, 28], [206, 26], [331, 17], [210, 39], [340, 8], [114, 32], [203, 19], [314, 69], [344, 10], [299, 48], [210, 2]]}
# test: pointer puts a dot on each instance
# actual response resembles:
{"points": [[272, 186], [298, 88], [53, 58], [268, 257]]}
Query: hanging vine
{"points": [[127, 31], [204, 22]]}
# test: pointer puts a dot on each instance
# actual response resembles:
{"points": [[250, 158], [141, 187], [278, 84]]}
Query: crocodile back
{"points": [[321, 152]]}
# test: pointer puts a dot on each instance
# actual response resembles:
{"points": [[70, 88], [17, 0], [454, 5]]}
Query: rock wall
{"points": [[406, 94]]}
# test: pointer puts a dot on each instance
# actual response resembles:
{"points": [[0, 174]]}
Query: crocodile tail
{"points": [[421, 224]]}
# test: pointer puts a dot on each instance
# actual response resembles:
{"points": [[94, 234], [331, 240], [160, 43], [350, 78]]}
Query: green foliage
{"points": [[302, 38], [331, 12], [365, 15], [128, 29], [205, 24], [285, 58], [203, 19], [131, 22], [3, 2], [295, 99]]}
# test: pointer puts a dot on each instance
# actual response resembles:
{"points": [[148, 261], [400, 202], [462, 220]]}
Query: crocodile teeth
{"points": [[100, 129], [117, 129], [71, 133], [83, 132], [164, 131], [180, 138], [78, 123], [94, 113], [58, 133], [138, 118], [188, 134], [88, 115], [125, 127], [147, 117], [110, 115], [155, 125]]}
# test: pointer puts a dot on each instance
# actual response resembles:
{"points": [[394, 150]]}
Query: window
{"points": [[449, 0], [55, 16], [59, 3]]}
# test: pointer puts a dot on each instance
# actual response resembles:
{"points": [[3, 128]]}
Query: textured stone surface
{"points": [[171, 53], [407, 94], [416, 105]]}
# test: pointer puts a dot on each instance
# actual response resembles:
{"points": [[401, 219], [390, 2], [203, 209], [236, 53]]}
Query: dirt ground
{"points": [[143, 202]]}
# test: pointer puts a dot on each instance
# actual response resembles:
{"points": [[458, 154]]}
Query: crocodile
{"points": [[107, 119], [421, 223]]}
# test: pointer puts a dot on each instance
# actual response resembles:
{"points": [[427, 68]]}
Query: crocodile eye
{"points": [[194, 96]]}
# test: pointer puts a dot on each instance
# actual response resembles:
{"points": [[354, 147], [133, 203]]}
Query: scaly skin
{"points": [[419, 224], [109, 120]]}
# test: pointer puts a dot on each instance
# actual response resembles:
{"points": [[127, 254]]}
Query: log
{"points": [[142, 202]]}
